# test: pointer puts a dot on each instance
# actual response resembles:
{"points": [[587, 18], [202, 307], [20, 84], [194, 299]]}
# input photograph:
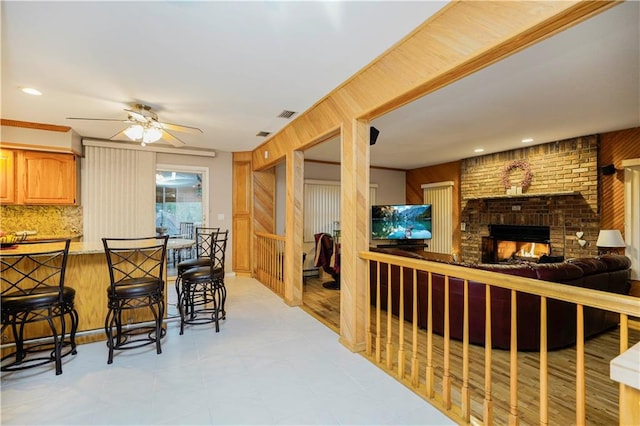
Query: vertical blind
{"points": [[118, 192], [440, 196], [322, 207]]}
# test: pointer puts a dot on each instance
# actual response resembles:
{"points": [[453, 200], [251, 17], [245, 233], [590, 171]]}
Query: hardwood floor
{"points": [[601, 391]]}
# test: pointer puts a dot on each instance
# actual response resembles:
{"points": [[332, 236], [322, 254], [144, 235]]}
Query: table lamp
{"points": [[609, 241]]}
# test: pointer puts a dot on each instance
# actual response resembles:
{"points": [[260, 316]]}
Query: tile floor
{"points": [[270, 364]]}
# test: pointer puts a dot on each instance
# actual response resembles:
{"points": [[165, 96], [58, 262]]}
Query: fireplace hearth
{"points": [[508, 243]]}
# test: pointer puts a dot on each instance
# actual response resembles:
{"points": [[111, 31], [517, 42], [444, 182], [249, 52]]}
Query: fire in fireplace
{"points": [[515, 242]]}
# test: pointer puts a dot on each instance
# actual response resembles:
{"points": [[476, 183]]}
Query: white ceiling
{"points": [[230, 68]]}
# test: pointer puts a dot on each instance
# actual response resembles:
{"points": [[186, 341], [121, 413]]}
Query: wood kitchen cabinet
{"points": [[8, 176], [38, 177]]}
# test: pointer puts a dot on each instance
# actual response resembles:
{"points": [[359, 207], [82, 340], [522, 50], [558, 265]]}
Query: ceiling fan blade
{"points": [[179, 127], [98, 119], [120, 135], [172, 139]]}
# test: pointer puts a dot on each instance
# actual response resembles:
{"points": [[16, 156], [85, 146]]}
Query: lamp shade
{"points": [[610, 238]]}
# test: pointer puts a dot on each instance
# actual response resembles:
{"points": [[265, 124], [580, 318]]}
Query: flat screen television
{"points": [[401, 222]]}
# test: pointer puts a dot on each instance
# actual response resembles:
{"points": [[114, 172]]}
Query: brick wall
{"points": [[557, 168]]}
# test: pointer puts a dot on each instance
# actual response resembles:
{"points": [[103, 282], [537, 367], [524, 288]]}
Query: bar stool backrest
{"points": [[204, 241], [219, 248], [34, 267], [132, 259]]}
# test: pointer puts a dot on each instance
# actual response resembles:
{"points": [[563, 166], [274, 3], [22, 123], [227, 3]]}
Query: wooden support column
{"points": [[293, 228], [354, 225]]}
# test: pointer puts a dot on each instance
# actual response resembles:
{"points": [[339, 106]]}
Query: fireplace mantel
{"points": [[544, 194]]}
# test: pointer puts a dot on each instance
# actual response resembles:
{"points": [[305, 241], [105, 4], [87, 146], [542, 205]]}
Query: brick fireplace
{"points": [[562, 197]]}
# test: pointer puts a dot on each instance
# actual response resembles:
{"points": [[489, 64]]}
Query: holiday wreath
{"points": [[516, 164]]}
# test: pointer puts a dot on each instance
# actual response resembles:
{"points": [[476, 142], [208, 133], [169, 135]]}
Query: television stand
{"points": [[405, 245]]}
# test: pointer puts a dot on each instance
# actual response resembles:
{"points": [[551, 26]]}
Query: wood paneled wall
{"points": [[440, 173], [615, 147]]}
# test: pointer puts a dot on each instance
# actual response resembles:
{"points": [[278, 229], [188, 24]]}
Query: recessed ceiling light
{"points": [[31, 91], [478, 150], [527, 140]]}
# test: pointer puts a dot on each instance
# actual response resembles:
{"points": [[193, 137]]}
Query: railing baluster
{"points": [[446, 374], [414, 348], [488, 400], [401, 326], [389, 350], [367, 312], [429, 369], [378, 319], [513, 362], [466, 408], [544, 365], [580, 382]]}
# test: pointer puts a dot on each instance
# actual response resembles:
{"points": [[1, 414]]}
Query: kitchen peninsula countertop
{"points": [[88, 274], [39, 237], [96, 247], [92, 247]]}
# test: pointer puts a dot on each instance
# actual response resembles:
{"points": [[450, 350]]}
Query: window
{"points": [[180, 197]]}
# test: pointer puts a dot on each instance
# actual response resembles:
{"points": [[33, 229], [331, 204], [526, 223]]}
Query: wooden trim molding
{"points": [[41, 148], [37, 126]]}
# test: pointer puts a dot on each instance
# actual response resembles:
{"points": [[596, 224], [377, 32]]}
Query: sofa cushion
{"points": [[589, 265], [615, 262], [520, 269], [558, 272]]}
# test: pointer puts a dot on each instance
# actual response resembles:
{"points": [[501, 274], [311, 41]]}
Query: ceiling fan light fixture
{"points": [[134, 132], [151, 134]]}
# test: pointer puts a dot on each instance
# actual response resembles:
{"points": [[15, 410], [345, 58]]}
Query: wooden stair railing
{"points": [[449, 384], [270, 258]]}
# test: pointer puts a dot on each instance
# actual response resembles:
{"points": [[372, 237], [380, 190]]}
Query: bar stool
{"points": [[33, 290], [186, 232], [136, 272], [204, 245], [201, 290]]}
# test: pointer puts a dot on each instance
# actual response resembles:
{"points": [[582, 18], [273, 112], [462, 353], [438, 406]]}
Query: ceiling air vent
{"points": [[286, 114], [263, 134]]}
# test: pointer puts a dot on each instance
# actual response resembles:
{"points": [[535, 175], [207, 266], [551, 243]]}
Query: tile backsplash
{"points": [[46, 220]]}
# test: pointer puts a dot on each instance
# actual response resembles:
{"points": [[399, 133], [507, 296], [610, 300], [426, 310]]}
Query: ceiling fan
{"points": [[145, 127]]}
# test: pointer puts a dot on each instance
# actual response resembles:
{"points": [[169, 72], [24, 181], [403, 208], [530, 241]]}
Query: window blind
{"points": [[118, 193], [440, 196], [322, 207]]}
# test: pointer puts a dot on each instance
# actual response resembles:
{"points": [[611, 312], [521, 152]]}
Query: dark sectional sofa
{"points": [[609, 273]]}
